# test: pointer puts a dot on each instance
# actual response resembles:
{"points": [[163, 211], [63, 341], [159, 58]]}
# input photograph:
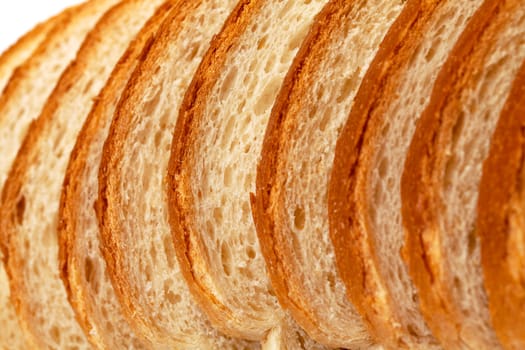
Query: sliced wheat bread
{"points": [[292, 179], [81, 263], [365, 198], [215, 150], [32, 191], [135, 233], [442, 171], [500, 224], [12, 336]]}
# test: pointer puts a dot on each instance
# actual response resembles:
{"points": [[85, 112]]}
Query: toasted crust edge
{"points": [[500, 184], [273, 246], [420, 186], [349, 225], [69, 205], [180, 213]]}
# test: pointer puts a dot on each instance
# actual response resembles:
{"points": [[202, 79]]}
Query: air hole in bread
{"points": [[326, 119], [270, 62], [458, 128], [173, 298], [228, 82], [87, 87], [55, 334], [248, 182], [246, 210], [226, 259], [153, 252], [383, 165], [452, 163], [267, 97], [228, 131], [20, 209], [217, 215], [169, 250], [192, 52], [250, 252], [90, 272], [299, 218], [349, 86], [152, 104], [227, 176], [472, 241], [210, 229], [261, 44]]}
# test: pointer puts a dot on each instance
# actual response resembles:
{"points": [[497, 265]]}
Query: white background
{"points": [[19, 16]]}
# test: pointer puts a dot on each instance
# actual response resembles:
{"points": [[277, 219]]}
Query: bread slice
{"points": [[292, 179], [216, 146], [442, 172], [31, 194], [135, 233], [500, 224], [12, 336], [81, 263], [364, 196]]}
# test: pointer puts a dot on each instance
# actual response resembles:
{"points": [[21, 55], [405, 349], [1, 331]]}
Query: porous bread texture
{"points": [[24, 47], [297, 155], [82, 266], [400, 84], [31, 194], [32, 83], [500, 223], [215, 150], [135, 234], [456, 129], [12, 336]]}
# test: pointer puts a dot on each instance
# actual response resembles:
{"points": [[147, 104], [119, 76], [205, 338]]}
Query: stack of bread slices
{"points": [[255, 174]]}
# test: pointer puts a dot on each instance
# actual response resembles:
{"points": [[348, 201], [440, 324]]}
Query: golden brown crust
{"points": [[500, 204], [421, 183], [12, 206], [191, 110], [113, 154], [273, 241], [356, 255], [71, 206]]}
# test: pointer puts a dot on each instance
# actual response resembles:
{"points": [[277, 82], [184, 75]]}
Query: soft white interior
{"points": [[94, 291], [482, 101], [12, 336], [158, 288], [305, 169], [41, 73], [391, 145], [44, 300], [228, 145]]}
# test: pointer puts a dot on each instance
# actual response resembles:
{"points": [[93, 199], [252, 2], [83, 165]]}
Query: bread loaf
{"points": [[500, 225], [81, 263], [292, 177], [136, 240], [442, 171], [11, 336]]}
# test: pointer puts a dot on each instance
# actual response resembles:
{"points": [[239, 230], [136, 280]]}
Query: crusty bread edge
{"points": [[67, 229], [12, 206], [500, 184], [419, 185], [347, 197], [274, 246]]}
